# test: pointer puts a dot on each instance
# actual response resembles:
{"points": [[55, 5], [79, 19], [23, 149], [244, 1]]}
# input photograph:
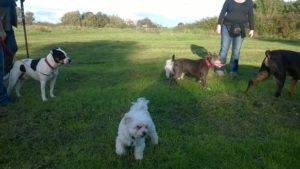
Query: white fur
{"points": [[43, 73], [133, 129], [169, 68]]}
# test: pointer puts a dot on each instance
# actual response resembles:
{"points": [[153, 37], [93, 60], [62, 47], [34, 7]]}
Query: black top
{"points": [[7, 3], [8, 13], [239, 13]]}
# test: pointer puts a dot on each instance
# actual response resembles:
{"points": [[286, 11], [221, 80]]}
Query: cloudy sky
{"points": [[165, 12]]}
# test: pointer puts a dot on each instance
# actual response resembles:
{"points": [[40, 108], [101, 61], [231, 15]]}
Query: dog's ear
{"points": [[267, 53], [173, 57], [127, 119]]}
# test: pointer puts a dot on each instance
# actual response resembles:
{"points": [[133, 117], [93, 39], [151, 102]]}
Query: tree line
{"points": [[89, 19], [272, 18]]}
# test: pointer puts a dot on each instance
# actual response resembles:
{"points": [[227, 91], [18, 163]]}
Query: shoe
{"points": [[219, 73], [6, 102]]}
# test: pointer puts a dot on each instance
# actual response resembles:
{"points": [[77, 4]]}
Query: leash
{"points": [[24, 26]]}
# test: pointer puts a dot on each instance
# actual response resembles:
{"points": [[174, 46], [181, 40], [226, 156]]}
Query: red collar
{"points": [[207, 62], [48, 63]]}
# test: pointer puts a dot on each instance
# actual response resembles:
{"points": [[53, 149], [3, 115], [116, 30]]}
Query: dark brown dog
{"points": [[195, 68], [279, 63]]}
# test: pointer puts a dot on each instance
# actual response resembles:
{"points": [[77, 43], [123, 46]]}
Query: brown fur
{"points": [[195, 68], [279, 63]]}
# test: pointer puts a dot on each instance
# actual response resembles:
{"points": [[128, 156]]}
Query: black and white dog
{"points": [[42, 69]]}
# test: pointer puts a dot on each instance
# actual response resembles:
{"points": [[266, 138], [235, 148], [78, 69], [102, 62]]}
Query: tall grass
{"points": [[215, 127]]}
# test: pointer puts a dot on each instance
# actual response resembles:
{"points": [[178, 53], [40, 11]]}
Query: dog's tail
{"points": [[140, 104], [173, 57]]}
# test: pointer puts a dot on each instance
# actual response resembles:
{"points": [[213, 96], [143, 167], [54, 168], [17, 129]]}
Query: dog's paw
{"points": [[154, 139], [120, 151], [138, 155], [52, 95]]}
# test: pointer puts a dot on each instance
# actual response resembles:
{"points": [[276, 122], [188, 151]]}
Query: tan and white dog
{"points": [[133, 129], [42, 69]]}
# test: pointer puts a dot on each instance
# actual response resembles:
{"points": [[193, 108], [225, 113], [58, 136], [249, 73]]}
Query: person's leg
{"points": [[4, 99], [11, 43], [235, 54], [225, 44]]}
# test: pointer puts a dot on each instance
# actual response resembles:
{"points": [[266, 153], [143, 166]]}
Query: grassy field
{"points": [[219, 127]]}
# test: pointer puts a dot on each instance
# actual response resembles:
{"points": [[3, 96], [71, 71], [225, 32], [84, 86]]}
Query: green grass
{"points": [[219, 127]]}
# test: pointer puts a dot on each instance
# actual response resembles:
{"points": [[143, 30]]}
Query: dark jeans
{"points": [[12, 45], [3, 93]]}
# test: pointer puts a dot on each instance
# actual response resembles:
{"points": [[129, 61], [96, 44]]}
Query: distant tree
{"points": [[269, 7], [89, 19], [146, 25], [277, 17], [130, 23], [292, 6], [146, 22], [29, 18], [116, 22], [71, 18], [180, 24], [102, 19], [19, 14]]}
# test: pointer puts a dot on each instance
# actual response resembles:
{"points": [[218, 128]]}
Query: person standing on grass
{"points": [[8, 44], [232, 22]]}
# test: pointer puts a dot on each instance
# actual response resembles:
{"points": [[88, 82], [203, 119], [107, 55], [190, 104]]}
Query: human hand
{"points": [[251, 33], [218, 30]]}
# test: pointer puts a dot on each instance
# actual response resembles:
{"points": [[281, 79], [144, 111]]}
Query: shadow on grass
{"points": [[95, 52], [193, 123]]}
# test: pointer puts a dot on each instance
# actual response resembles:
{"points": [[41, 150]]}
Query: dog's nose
{"points": [[67, 61], [144, 134]]}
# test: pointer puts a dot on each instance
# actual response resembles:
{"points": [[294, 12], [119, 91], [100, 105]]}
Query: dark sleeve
{"points": [[223, 12], [251, 16]]}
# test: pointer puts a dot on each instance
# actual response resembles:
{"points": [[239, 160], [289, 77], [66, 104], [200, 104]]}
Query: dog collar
{"points": [[207, 62], [48, 63]]}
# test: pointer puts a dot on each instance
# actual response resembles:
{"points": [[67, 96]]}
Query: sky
{"points": [[164, 12]]}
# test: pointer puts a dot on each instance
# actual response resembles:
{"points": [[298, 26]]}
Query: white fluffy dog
{"points": [[169, 68], [134, 127]]}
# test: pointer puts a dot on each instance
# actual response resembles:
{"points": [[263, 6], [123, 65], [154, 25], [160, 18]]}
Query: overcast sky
{"points": [[165, 12]]}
